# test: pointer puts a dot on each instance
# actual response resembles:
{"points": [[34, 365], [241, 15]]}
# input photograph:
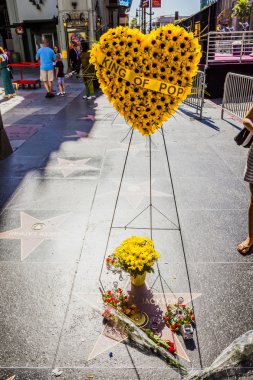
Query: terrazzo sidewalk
{"points": [[68, 197]]}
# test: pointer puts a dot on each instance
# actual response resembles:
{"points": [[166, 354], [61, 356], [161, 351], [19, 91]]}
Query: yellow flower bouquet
{"points": [[135, 255]]}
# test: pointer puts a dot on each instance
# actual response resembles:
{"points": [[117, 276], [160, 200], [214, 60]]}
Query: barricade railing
{"points": [[229, 46], [238, 94], [196, 97]]}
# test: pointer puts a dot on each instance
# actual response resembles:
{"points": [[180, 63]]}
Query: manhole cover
{"points": [[38, 226]]}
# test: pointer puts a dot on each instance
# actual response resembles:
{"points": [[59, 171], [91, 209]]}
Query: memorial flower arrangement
{"points": [[145, 337], [135, 255], [167, 344], [178, 315], [116, 298], [146, 77]]}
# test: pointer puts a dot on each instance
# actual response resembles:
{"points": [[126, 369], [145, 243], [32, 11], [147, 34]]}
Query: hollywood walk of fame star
{"points": [[88, 117], [134, 148], [68, 167], [99, 117], [135, 193], [79, 134], [111, 337], [34, 231]]}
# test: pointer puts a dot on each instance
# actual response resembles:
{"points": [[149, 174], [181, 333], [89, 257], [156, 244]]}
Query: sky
{"points": [[168, 8]]}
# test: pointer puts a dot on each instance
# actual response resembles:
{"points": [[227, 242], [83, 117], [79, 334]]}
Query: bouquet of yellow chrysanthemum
{"points": [[135, 255]]}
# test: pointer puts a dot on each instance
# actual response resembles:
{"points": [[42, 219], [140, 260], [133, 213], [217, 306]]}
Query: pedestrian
{"points": [[56, 51], [8, 53], [59, 70], [6, 75], [46, 56], [88, 72], [74, 57], [246, 246]]}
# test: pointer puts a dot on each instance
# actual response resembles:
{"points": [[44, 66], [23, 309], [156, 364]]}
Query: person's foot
{"points": [[89, 97], [245, 247], [59, 93], [85, 97], [62, 94], [49, 95], [93, 97]]}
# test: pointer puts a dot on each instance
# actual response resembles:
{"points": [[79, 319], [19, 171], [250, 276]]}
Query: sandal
{"points": [[244, 249]]}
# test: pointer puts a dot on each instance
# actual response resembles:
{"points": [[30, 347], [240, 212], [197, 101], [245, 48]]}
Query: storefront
{"points": [[34, 32], [76, 27], [5, 32]]}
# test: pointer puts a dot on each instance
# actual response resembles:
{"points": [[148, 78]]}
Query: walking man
{"points": [[46, 56]]}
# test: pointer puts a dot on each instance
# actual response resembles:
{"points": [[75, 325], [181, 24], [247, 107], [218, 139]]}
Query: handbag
{"points": [[244, 138]]}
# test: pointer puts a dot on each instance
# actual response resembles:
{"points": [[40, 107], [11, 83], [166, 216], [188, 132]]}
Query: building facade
{"points": [[25, 23], [29, 23], [206, 3]]}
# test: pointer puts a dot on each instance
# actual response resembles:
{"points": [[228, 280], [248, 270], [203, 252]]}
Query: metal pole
{"points": [[150, 15], [144, 22], [5, 146]]}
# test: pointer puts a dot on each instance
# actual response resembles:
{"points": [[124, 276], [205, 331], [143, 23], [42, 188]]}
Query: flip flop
{"points": [[244, 249]]}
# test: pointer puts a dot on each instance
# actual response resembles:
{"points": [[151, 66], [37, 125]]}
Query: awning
{"points": [[27, 23]]}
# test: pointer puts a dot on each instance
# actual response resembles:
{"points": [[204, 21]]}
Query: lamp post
{"points": [[5, 146], [150, 15], [138, 17]]}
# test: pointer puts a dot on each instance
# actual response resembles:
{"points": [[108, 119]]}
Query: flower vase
{"points": [[139, 279]]}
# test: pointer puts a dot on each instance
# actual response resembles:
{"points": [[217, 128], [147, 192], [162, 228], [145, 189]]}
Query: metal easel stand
{"points": [[149, 207]]}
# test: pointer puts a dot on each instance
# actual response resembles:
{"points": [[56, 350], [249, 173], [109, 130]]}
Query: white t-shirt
{"points": [[60, 56]]}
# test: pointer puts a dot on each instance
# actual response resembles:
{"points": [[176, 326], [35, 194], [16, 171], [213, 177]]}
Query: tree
{"points": [[242, 10], [133, 23]]}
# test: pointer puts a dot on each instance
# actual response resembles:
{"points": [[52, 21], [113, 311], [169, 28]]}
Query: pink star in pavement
{"points": [[79, 134], [88, 117], [34, 231], [111, 337]]}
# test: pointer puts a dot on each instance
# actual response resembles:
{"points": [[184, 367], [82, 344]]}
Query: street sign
{"points": [[125, 3], [155, 4]]}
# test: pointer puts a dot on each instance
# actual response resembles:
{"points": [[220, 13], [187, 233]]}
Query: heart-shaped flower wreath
{"points": [[146, 77]]}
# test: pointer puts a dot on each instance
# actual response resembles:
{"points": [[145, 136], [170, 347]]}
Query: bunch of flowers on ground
{"points": [[178, 315], [117, 299], [167, 344], [135, 255]]}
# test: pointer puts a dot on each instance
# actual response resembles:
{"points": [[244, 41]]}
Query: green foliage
{"points": [[133, 23], [242, 10]]}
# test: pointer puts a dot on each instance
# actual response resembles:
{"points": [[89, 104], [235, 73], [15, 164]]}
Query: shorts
{"points": [[46, 75], [248, 175], [60, 80]]}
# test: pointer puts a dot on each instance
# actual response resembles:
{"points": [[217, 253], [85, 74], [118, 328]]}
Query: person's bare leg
{"points": [[50, 86], [46, 87], [246, 245], [60, 88]]}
